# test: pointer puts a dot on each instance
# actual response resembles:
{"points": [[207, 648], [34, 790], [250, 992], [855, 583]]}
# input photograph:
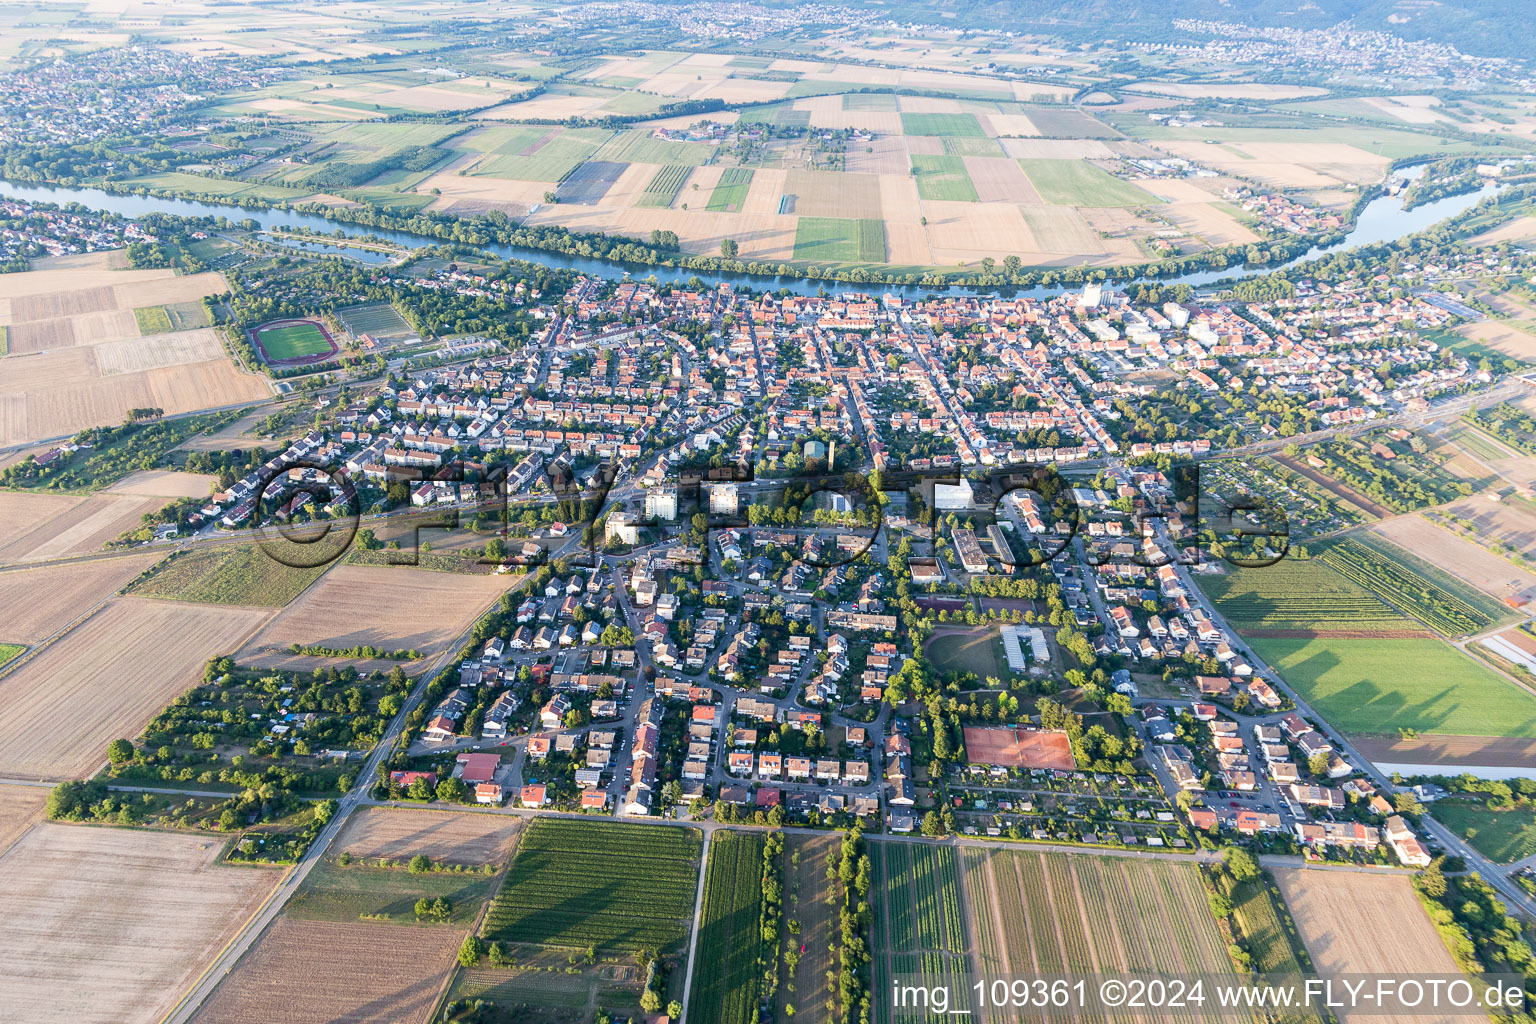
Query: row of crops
{"points": [[608, 885], [1401, 586], [1043, 913], [726, 979], [1298, 594], [664, 185]]}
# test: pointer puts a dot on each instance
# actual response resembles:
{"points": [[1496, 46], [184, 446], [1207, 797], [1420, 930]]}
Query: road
{"points": [[1495, 875]]}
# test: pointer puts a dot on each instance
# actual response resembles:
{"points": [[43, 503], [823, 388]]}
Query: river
{"points": [[1383, 219]]}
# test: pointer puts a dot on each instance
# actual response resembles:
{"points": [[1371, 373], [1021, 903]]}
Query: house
{"points": [[477, 768], [799, 767], [739, 763], [533, 796], [594, 800], [538, 748], [1202, 818], [770, 766], [405, 779], [439, 730], [488, 793], [1404, 843]]}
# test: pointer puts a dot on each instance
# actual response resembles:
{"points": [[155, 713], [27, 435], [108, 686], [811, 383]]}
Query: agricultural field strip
{"points": [[726, 981], [1398, 585], [630, 888]]}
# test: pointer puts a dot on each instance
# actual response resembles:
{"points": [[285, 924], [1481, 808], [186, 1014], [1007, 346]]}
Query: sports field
{"points": [[1375, 687], [292, 341], [1018, 747]]}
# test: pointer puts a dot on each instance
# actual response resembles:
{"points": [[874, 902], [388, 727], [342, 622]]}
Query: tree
{"points": [[1221, 904], [452, 791], [119, 752], [729, 248], [1240, 864], [471, 951], [650, 1002], [674, 1009], [420, 864], [932, 826], [1318, 763]]}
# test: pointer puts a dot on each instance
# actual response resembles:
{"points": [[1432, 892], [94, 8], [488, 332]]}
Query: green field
{"points": [[869, 101], [641, 147], [725, 977], [1080, 183], [549, 162], [294, 341], [5, 341], [152, 319], [1375, 687], [950, 126], [731, 191], [966, 146], [1501, 836], [837, 240], [979, 651], [226, 575], [9, 652], [664, 185], [943, 177], [1298, 594], [335, 893], [612, 885]]}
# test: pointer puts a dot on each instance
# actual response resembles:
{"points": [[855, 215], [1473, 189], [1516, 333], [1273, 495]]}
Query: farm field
{"points": [[726, 975], [374, 974], [1456, 584], [1035, 912], [36, 603], [228, 574], [21, 512], [78, 359], [105, 679], [730, 192], [159, 483], [838, 240], [943, 178], [81, 529], [1461, 558], [423, 611], [1375, 687], [21, 807], [394, 832], [365, 892], [108, 926], [1398, 585], [918, 922], [1079, 183], [1355, 923], [1503, 836], [612, 885], [1302, 597], [809, 900]]}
